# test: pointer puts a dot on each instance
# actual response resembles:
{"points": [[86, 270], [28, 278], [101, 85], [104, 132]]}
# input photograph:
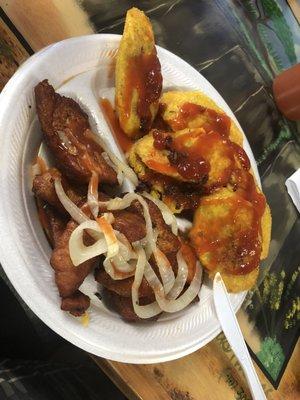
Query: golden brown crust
{"points": [[173, 100], [137, 41], [266, 227], [64, 125], [238, 283]]}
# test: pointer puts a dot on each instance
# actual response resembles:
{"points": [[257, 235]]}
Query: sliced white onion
{"points": [[70, 207], [165, 270], [79, 252], [128, 171], [120, 175], [149, 310], [112, 271], [121, 203], [110, 237], [182, 274], [92, 196], [123, 266], [150, 238], [121, 166], [39, 167], [35, 169], [166, 213], [181, 302], [126, 250]]}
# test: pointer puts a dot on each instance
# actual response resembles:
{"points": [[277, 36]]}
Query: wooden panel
{"points": [[135, 381], [295, 6], [43, 22], [211, 373], [12, 53]]}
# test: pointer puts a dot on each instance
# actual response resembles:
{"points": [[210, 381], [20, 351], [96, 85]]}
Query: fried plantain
{"points": [[138, 75], [210, 146], [229, 236], [178, 117]]}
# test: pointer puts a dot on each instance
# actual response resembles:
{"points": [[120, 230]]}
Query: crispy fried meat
{"points": [[55, 224], [132, 224], [66, 130], [43, 188], [123, 305], [121, 287], [167, 242], [77, 304], [67, 277]]}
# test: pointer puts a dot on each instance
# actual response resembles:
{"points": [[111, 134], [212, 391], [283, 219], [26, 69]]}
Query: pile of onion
{"points": [[124, 259]]}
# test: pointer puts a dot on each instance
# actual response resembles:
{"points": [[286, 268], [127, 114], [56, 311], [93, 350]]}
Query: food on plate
{"points": [[43, 188], [231, 234], [138, 75], [181, 109], [194, 158], [67, 133], [196, 162], [189, 161], [130, 242]]}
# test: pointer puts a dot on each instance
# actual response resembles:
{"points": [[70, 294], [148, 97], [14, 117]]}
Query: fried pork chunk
{"points": [[68, 278], [132, 224], [76, 304], [43, 188], [67, 132]]}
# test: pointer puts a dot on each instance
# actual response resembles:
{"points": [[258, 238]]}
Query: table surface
{"points": [[212, 372]]}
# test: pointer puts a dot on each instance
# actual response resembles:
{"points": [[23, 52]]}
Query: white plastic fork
{"points": [[234, 336]]}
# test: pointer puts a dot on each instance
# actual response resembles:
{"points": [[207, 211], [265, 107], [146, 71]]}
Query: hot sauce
{"points": [[144, 77], [190, 165], [213, 120], [238, 250], [225, 241], [112, 120]]}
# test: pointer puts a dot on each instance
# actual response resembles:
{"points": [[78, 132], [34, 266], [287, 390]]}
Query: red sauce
{"points": [[143, 75], [240, 154], [190, 165], [219, 122], [162, 140], [244, 184], [161, 168], [238, 252], [113, 122], [213, 120], [233, 246], [182, 195]]}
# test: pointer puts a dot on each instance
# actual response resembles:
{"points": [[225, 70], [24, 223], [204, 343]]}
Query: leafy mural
{"points": [[274, 35], [273, 12], [273, 55]]}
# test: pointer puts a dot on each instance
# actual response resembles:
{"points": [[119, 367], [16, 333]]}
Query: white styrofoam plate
{"points": [[82, 68]]}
